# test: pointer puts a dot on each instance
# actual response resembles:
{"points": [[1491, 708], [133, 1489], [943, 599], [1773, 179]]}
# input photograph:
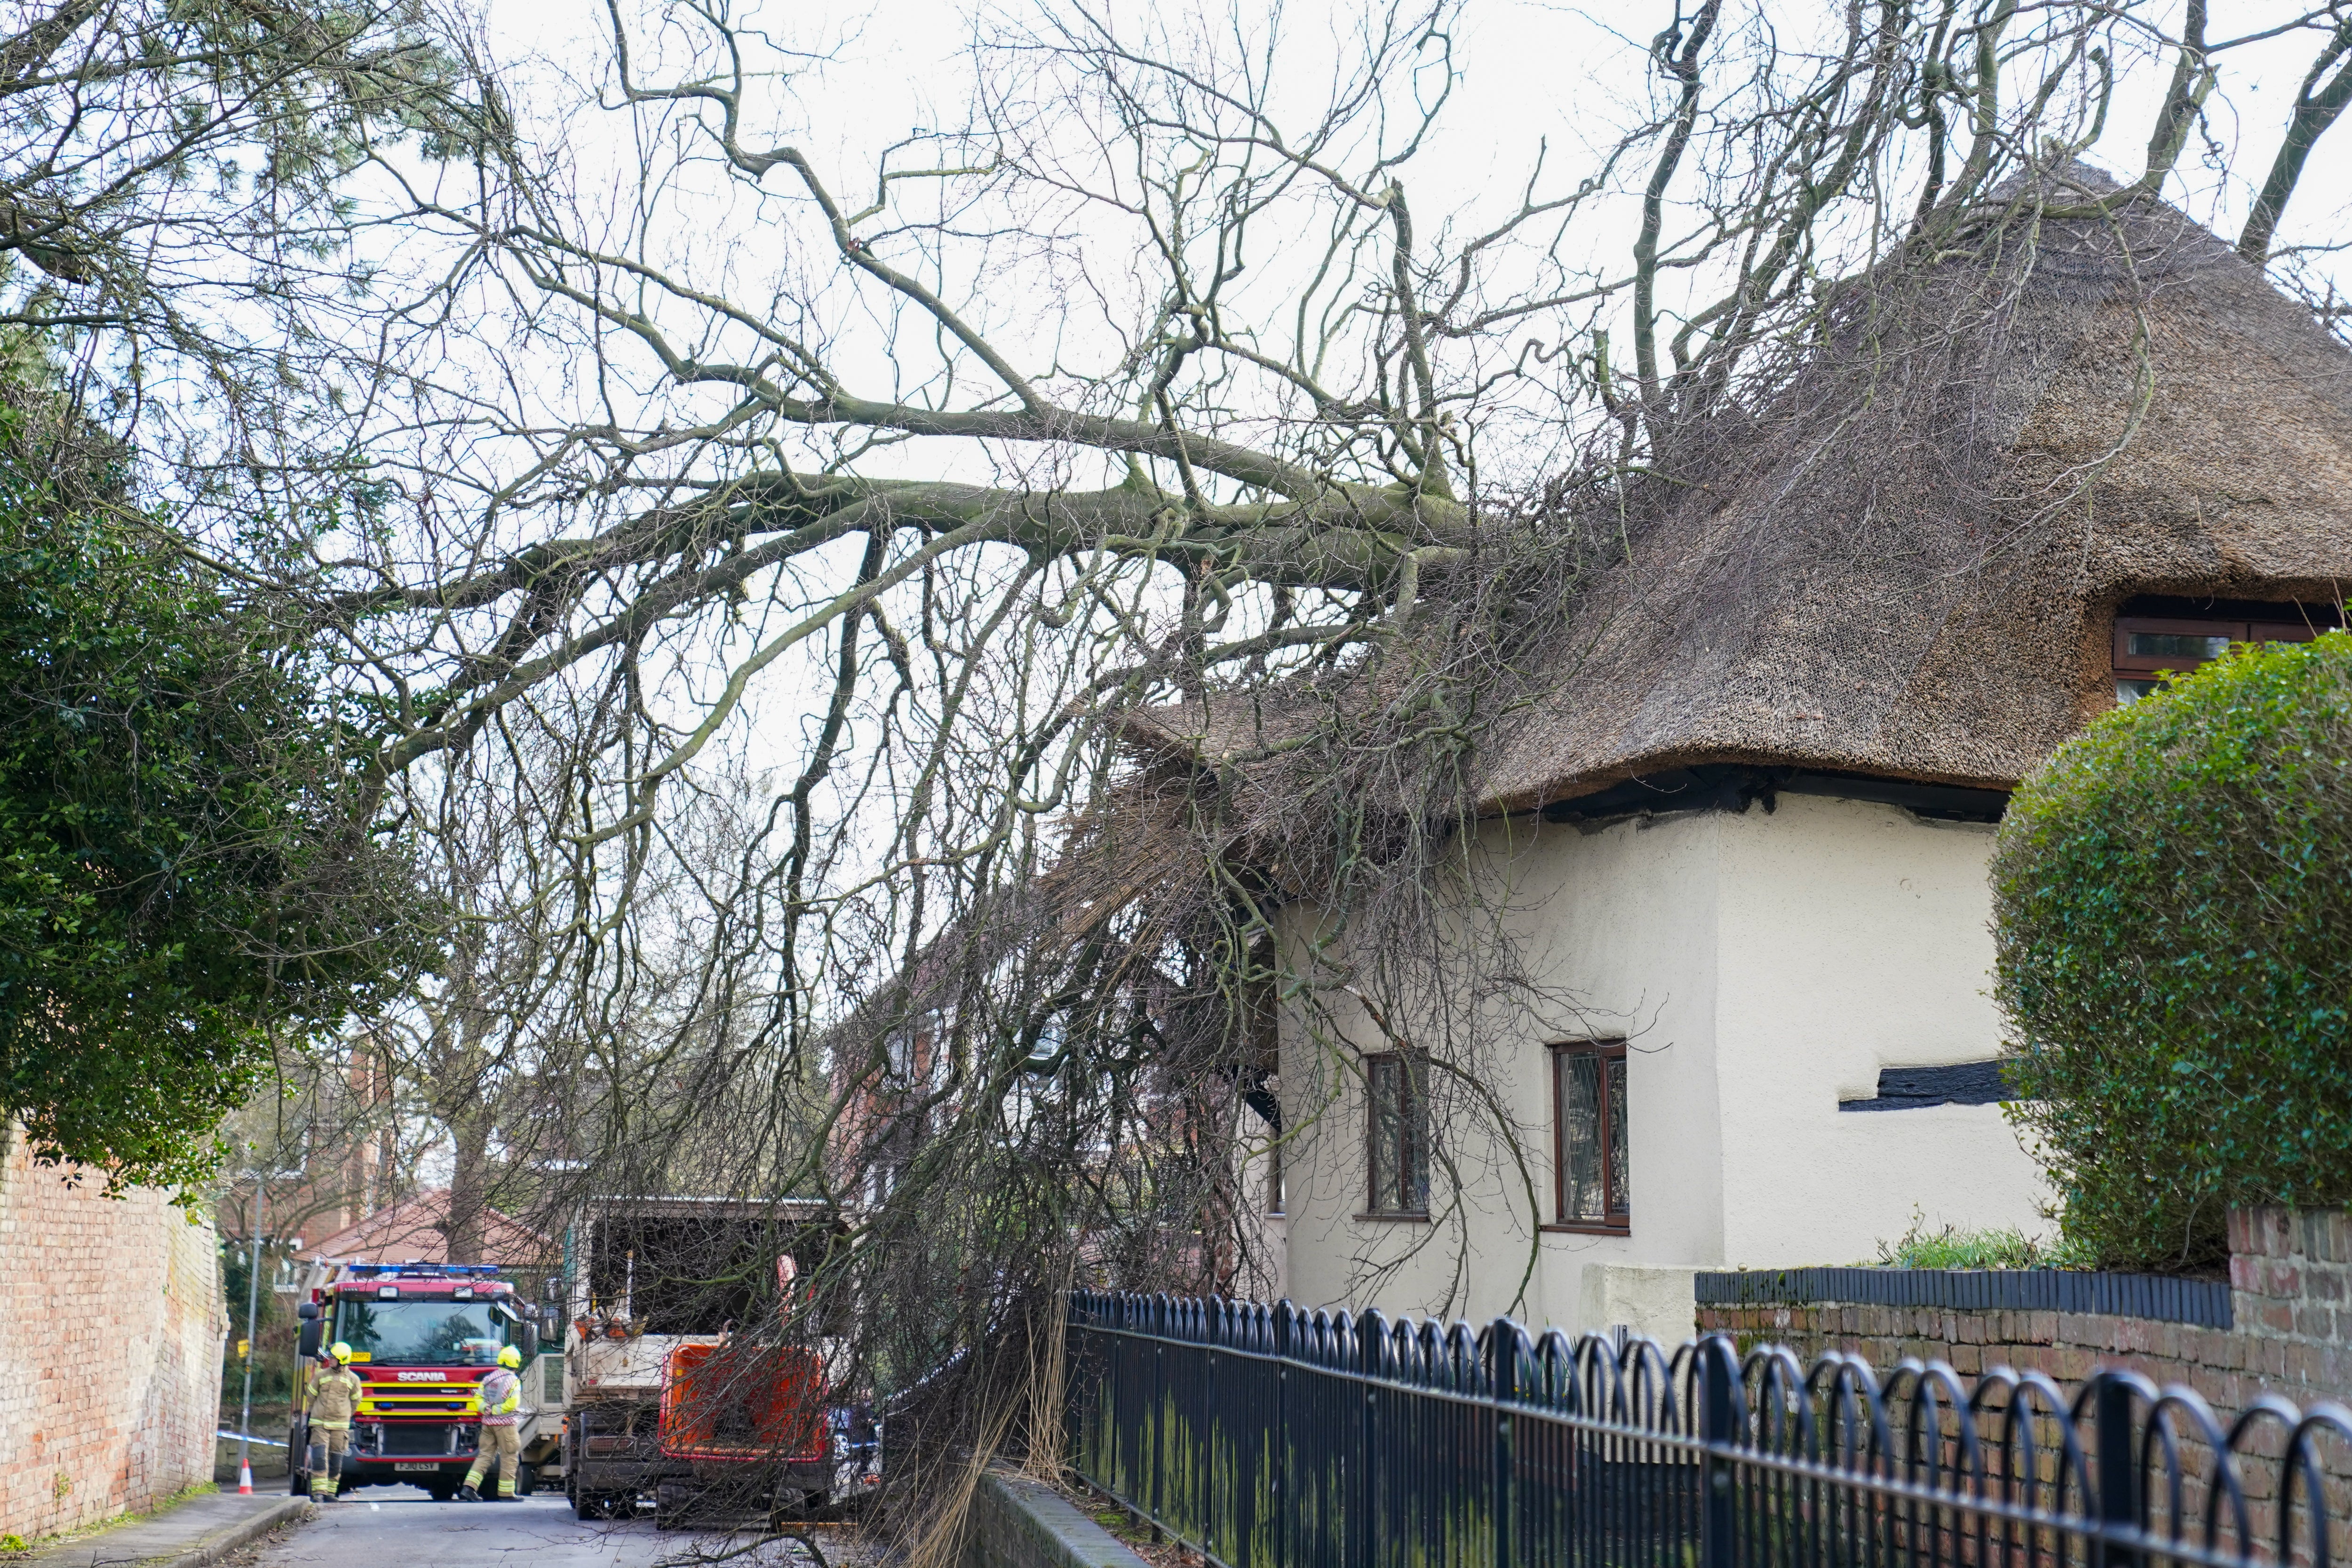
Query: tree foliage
{"points": [[186, 873], [2173, 910], [158, 161], [182, 874]]}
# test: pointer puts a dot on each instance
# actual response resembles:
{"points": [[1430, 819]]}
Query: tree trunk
{"points": [[469, 1181]]}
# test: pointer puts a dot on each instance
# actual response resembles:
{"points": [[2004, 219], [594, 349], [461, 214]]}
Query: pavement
{"points": [[193, 1534], [401, 1525]]}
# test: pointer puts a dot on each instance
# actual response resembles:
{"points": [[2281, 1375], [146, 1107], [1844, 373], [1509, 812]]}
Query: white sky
{"points": [[1529, 70]]}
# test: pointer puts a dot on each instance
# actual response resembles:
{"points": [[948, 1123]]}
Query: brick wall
{"points": [[2291, 1277], [2291, 1306], [110, 1326]]}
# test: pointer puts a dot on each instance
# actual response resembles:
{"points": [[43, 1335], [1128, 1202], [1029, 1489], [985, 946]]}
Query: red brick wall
{"points": [[111, 1325], [2291, 1298], [2291, 1278]]}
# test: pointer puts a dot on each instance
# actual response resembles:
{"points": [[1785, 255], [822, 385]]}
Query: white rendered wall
{"points": [[1761, 967], [1855, 937]]}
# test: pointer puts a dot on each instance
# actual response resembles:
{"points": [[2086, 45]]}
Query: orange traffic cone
{"points": [[245, 1478]]}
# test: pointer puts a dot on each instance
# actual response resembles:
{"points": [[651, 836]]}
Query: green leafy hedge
{"points": [[184, 871], [2173, 913]]}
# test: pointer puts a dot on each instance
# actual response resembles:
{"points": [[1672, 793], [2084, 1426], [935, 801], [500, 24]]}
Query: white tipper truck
{"points": [[677, 1388]]}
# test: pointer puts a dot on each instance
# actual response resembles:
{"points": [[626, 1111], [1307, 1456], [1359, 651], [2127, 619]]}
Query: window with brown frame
{"points": [[1591, 1187], [2146, 646], [1397, 1134]]}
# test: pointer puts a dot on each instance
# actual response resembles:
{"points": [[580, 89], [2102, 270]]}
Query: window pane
{"points": [[2132, 690], [1397, 1140], [1579, 1137], [1412, 1137], [2282, 631], [1384, 1079], [1618, 1206], [2176, 645]]}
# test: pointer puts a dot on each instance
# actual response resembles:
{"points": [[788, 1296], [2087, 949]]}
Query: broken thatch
{"points": [[1908, 564], [1909, 567]]}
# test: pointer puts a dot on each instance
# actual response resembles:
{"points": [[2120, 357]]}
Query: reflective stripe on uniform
{"points": [[501, 1395], [335, 1399]]}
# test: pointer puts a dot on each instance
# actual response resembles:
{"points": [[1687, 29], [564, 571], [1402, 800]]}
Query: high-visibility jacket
{"points": [[335, 1398], [501, 1396]]}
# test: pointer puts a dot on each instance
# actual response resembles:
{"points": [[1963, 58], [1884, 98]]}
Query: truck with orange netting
{"points": [[698, 1377]]}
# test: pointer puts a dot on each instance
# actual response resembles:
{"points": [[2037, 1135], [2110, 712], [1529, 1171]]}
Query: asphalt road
{"points": [[400, 1525]]}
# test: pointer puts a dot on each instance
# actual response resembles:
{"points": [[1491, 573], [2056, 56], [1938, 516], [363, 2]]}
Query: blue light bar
{"points": [[422, 1271]]}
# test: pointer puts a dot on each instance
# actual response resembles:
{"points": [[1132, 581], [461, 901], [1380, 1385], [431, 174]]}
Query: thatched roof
{"points": [[1910, 567], [1907, 567]]}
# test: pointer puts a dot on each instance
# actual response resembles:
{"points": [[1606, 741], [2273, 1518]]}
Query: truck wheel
{"points": [[526, 1479]]}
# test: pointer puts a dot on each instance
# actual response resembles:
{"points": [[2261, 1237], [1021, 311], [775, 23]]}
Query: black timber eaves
{"points": [[1734, 787]]}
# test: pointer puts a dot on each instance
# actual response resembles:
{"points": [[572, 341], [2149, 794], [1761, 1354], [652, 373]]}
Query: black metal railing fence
{"points": [[1267, 1437]]}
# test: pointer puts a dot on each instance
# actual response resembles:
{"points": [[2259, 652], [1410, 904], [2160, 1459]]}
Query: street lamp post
{"points": [[252, 1336]]}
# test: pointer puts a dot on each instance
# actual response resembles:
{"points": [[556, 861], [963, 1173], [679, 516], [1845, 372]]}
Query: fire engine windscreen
{"points": [[421, 1333]]}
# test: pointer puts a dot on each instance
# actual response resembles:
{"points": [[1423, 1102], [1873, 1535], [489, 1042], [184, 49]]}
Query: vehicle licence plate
{"points": [[405, 1469]]}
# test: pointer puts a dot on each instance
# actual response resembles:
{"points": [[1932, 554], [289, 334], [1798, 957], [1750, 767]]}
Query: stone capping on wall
{"points": [[1017, 1522], [2205, 1303]]}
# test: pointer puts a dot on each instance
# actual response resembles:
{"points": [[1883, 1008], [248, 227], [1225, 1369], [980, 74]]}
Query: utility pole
{"points": [[252, 1336]]}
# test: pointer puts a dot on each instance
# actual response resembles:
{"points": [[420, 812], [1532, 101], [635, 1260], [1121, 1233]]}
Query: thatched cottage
{"points": [[1749, 833]]}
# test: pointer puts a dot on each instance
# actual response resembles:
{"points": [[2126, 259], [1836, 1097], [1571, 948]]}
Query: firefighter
{"points": [[500, 1394], [334, 1400]]}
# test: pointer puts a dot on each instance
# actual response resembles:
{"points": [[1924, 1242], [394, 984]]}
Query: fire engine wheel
{"points": [[298, 1482], [441, 1493]]}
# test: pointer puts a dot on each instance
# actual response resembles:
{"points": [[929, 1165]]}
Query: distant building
{"points": [[414, 1231], [342, 1156]]}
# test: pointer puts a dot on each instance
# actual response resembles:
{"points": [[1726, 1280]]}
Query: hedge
{"points": [[2173, 916]]}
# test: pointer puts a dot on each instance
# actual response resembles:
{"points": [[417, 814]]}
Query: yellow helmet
{"points": [[510, 1357], [341, 1352]]}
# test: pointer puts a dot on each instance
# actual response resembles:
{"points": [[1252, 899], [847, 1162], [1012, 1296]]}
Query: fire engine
{"points": [[422, 1336]]}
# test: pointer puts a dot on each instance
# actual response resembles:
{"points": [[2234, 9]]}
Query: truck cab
{"points": [[422, 1336]]}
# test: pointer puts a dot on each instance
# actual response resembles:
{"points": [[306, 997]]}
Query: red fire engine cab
{"points": [[422, 1337]]}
